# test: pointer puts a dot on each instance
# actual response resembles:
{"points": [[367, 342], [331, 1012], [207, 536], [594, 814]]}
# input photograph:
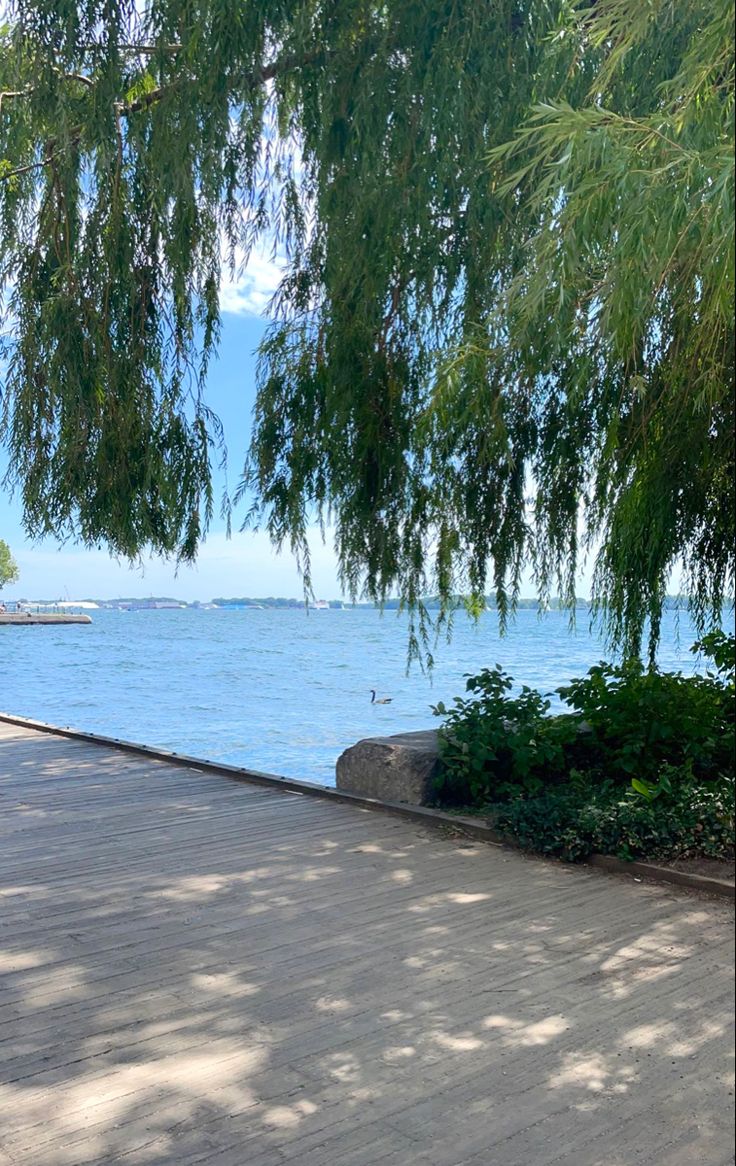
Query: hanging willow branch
{"points": [[505, 329]]}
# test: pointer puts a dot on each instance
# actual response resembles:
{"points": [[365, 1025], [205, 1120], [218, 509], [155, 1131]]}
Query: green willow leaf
{"points": [[504, 336]]}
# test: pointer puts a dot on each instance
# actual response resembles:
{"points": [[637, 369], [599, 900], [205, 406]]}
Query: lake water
{"points": [[283, 691]]}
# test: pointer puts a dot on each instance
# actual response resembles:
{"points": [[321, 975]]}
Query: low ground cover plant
{"points": [[641, 763]]}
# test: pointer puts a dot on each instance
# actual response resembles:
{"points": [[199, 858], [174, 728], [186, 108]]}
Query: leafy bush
{"points": [[572, 823], [643, 765], [721, 648], [640, 720], [494, 744]]}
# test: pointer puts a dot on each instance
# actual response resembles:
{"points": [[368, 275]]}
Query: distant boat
{"points": [[320, 605]]}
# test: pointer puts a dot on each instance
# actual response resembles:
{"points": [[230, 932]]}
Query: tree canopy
{"points": [[8, 566], [505, 329]]}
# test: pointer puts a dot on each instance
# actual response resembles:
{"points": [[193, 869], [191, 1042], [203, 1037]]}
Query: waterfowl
{"points": [[379, 699]]}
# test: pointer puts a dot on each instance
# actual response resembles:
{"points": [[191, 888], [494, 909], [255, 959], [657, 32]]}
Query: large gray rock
{"points": [[392, 769]]}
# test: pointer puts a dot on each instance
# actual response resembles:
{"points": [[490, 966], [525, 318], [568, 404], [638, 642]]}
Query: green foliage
{"points": [[640, 719], [655, 789], [573, 823], [626, 291], [721, 648], [8, 565], [508, 239], [643, 764], [495, 744]]}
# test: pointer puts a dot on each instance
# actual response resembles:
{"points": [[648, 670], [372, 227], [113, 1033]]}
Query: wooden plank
{"points": [[193, 971]]}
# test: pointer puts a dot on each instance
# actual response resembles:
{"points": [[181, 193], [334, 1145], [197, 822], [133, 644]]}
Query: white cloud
{"points": [[249, 290]]}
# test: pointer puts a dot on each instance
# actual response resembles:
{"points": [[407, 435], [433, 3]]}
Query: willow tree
{"points": [[504, 317], [625, 303]]}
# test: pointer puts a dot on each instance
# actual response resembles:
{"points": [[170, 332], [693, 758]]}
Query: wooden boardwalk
{"points": [[194, 970]]}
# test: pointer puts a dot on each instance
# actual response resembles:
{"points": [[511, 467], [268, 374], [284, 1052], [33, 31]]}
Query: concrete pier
{"points": [[26, 618]]}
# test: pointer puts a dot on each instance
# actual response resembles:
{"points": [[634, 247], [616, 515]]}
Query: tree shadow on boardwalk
{"points": [[196, 971]]}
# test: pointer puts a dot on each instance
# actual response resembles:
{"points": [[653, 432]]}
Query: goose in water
{"points": [[379, 699]]}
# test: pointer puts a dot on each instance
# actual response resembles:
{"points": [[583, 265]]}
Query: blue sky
{"points": [[246, 564]]}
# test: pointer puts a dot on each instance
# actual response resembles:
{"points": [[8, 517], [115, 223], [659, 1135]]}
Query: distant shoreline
{"points": [[168, 603]]}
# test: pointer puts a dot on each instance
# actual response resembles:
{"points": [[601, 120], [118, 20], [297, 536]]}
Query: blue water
{"points": [[281, 691]]}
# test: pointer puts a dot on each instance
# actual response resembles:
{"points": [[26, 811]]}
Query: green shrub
{"points": [[572, 823], [643, 765], [640, 720], [721, 649], [546, 823], [494, 744]]}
